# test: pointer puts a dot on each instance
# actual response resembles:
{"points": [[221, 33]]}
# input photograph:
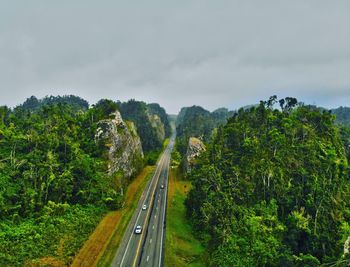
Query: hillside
{"points": [[151, 122], [75, 102], [63, 166], [198, 122], [342, 115], [272, 189]]}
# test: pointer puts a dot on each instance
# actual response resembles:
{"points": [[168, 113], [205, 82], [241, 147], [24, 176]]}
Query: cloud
{"points": [[177, 53]]}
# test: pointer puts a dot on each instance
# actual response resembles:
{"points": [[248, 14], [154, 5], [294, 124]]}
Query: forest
{"points": [[54, 185], [272, 189], [342, 115], [199, 122]]}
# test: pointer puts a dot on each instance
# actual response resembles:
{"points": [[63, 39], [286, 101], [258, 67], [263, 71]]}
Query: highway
{"points": [[147, 248]]}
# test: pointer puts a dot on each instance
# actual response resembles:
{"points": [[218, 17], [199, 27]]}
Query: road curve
{"points": [[147, 248]]}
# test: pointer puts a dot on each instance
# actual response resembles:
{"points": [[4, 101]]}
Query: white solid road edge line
{"points": [[155, 174]]}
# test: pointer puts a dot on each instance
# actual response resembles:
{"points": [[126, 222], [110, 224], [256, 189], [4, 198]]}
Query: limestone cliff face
{"points": [[194, 149], [124, 146], [347, 246], [158, 125]]}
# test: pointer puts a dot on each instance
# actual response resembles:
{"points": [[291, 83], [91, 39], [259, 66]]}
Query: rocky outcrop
{"points": [[194, 149], [151, 121], [124, 146], [347, 246], [156, 109], [157, 125]]}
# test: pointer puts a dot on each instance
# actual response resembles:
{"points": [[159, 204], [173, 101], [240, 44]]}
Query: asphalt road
{"points": [[147, 248]]}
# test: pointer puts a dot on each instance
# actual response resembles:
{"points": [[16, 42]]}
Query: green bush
{"points": [[59, 232]]}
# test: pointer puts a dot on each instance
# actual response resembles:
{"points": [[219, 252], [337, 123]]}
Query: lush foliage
{"points": [[182, 248], [273, 188], [195, 121], [50, 155], [342, 115], [54, 185], [75, 102], [139, 113], [54, 236], [156, 109], [220, 115], [345, 136], [53, 182]]}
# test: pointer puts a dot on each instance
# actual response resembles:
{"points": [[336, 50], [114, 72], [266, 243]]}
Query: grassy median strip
{"points": [[181, 247], [104, 241]]}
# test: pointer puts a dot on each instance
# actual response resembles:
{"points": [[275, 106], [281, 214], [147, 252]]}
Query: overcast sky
{"points": [[177, 53]]}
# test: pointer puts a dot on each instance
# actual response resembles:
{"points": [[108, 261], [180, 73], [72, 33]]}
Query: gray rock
{"points": [[158, 125], [194, 149], [122, 143], [347, 246]]}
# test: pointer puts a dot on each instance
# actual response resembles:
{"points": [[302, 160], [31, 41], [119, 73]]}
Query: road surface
{"points": [[147, 248]]}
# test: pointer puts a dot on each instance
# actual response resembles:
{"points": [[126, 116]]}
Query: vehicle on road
{"points": [[138, 229], [161, 186], [144, 207]]}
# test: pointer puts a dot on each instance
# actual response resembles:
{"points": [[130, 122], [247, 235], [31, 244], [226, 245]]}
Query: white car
{"points": [[138, 229], [144, 207]]}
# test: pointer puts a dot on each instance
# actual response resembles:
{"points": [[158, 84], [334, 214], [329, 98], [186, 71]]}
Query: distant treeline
{"points": [[342, 115]]}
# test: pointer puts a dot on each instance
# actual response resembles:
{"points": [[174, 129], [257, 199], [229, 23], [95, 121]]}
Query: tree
{"points": [[291, 159]]}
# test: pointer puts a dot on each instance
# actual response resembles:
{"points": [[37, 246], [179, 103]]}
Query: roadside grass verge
{"points": [[104, 241], [166, 143], [182, 248]]}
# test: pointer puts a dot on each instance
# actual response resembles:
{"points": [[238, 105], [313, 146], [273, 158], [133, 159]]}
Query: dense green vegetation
{"points": [[52, 236], [75, 102], [220, 116], [195, 121], [273, 188], [50, 155], [342, 115], [50, 171], [344, 131], [54, 185], [139, 113], [182, 248], [155, 108]]}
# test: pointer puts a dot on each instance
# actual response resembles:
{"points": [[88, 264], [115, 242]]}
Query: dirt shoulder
{"points": [[105, 239]]}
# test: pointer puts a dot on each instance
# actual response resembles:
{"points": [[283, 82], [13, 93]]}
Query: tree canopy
{"points": [[198, 122], [342, 115], [139, 113], [272, 188], [50, 155], [54, 184], [75, 102]]}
